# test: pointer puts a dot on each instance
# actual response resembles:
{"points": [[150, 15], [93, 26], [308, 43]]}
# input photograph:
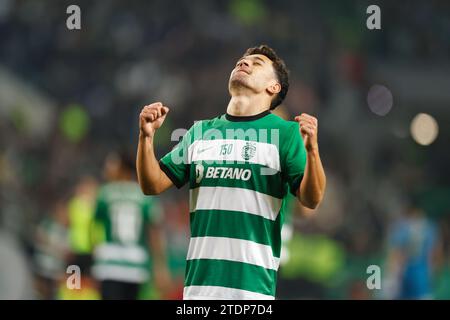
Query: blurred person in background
{"points": [[81, 208], [51, 250], [129, 241], [442, 278], [413, 250]]}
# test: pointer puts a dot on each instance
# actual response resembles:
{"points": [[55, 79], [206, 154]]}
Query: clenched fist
{"points": [[151, 118], [308, 130]]}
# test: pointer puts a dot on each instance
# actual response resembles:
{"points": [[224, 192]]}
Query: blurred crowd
{"points": [[70, 99]]}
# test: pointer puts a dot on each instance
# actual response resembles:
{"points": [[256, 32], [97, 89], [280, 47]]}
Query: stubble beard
{"points": [[239, 82]]}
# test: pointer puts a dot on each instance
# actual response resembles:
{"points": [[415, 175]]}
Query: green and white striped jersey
{"points": [[122, 220], [239, 171]]}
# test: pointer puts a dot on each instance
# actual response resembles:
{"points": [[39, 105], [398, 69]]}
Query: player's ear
{"points": [[274, 87]]}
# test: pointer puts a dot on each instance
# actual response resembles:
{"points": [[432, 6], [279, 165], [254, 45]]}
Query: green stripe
{"points": [[271, 185], [230, 274], [239, 225]]}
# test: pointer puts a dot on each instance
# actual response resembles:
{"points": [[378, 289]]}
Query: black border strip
{"points": [[170, 174], [230, 117]]}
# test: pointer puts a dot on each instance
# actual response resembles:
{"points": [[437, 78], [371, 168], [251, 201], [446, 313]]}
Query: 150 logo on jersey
{"points": [[226, 149]]}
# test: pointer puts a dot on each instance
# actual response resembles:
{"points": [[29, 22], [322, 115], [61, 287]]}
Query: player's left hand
{"points": [[308, 130]]}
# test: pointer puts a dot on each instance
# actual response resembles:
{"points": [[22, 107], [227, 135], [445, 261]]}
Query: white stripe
{"points": [[265, 154], [231, 249], [234, 199], [221, 293], [132, 254], [119, 273]]}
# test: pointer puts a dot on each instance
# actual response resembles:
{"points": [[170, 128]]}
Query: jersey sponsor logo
{"points": [[204, 149], [248, 151], [228, 173], [199, 170]]}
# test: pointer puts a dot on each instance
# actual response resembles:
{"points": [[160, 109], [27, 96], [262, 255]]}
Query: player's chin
{"points": [[238, 81]]}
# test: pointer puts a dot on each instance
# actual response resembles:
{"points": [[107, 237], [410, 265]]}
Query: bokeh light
{"points": [[424, 129], [74, 123], [380, 100]]}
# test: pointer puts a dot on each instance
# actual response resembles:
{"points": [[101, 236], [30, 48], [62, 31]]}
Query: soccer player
{"points": [[240, 167], [127, 233]]}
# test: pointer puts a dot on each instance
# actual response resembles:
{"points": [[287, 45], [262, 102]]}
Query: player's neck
{"points": [[245, 105]]}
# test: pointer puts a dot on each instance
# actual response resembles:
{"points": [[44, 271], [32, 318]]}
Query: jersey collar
{"points": [[229, 117]]}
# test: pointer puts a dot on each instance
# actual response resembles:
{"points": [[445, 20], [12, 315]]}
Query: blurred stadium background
{"points": [[382, 97]]}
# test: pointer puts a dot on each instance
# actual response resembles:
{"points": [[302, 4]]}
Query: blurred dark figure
{"points": [[412, 253], [51, 251], [127, 233]]}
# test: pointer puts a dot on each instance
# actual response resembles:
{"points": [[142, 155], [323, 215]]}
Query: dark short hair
{"points": [[127, 160], [280, 70]]}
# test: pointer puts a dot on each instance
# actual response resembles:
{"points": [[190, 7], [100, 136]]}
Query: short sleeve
{"points": [[97, 227], [294, 159], [100, 208], [175, 164]]}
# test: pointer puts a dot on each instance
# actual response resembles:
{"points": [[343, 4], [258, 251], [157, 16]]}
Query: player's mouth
{"points": [[243, 70]]}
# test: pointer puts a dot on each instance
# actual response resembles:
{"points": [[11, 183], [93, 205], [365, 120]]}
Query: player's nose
{"points": [[244, 62]]}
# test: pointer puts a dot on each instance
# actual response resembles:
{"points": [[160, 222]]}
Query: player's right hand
{"points": [[151, 118]]}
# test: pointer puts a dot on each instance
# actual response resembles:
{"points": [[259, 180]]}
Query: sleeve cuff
{"points": [[170, 174], [296, 184]]}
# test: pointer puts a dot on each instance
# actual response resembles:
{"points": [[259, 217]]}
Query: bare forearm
{"points": [[148, 170], [312, 187]]}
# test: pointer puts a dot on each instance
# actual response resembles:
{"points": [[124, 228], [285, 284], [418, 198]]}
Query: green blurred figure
{"points": [[127, 233]]}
